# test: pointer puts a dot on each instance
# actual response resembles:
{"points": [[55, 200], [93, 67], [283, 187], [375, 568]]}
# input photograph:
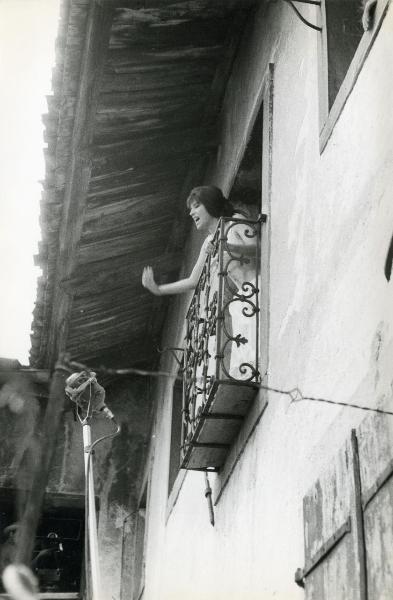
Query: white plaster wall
{"points": [[331, 322]]}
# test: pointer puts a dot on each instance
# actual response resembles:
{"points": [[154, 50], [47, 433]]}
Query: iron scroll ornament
{"points": [[237, 261]]}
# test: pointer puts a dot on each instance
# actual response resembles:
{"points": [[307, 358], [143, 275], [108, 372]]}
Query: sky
{"points": [[27, 39]]}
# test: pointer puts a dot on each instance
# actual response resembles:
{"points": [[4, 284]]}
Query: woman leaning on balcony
{"points": [[207, 204]]}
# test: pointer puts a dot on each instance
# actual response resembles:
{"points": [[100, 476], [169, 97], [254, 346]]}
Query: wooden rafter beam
{"points": [[96, 41]]}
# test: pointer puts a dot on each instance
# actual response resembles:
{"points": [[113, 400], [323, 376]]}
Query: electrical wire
{"points": [[295, 394], [108, 371]]}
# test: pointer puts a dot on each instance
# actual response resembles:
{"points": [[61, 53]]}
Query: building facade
{"points": [[296, 488]]}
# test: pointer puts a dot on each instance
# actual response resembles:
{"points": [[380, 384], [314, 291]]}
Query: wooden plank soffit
{"points": [[79, 170]]}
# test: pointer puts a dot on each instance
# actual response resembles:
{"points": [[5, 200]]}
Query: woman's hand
{"points": [[148, 281]]}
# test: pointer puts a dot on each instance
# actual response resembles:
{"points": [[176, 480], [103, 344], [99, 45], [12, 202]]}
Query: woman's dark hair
{"points": [[212, 199]]}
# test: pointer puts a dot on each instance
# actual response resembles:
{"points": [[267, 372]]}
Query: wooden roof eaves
{"points": [[72, 166], [98, 24], [50, 202]]}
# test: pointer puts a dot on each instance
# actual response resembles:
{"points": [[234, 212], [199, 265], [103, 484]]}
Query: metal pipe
{"points": [[208, 496], [92, 514]]}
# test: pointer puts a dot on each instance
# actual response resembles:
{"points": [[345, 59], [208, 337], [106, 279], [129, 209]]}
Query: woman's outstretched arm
{"points": [[182, 285]]}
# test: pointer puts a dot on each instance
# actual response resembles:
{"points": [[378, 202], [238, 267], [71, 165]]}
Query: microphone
{"points": [[84, 389]]}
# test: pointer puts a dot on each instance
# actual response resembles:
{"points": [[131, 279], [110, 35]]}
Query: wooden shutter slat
{"points": [[324, 550], [375, 436]]}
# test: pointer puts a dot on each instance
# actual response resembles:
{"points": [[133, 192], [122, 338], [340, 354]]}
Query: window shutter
{"points": [[334, 549], [348, 520]]}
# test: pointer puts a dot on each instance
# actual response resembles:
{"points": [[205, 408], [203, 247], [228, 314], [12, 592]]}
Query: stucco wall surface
{"points": [[331, 321]]}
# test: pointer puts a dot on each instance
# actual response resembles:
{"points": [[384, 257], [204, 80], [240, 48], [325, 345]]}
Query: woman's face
{"points": [[202, 219]]}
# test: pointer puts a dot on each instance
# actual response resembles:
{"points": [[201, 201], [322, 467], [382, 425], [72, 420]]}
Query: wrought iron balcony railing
{"points": [[221, 349]]}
